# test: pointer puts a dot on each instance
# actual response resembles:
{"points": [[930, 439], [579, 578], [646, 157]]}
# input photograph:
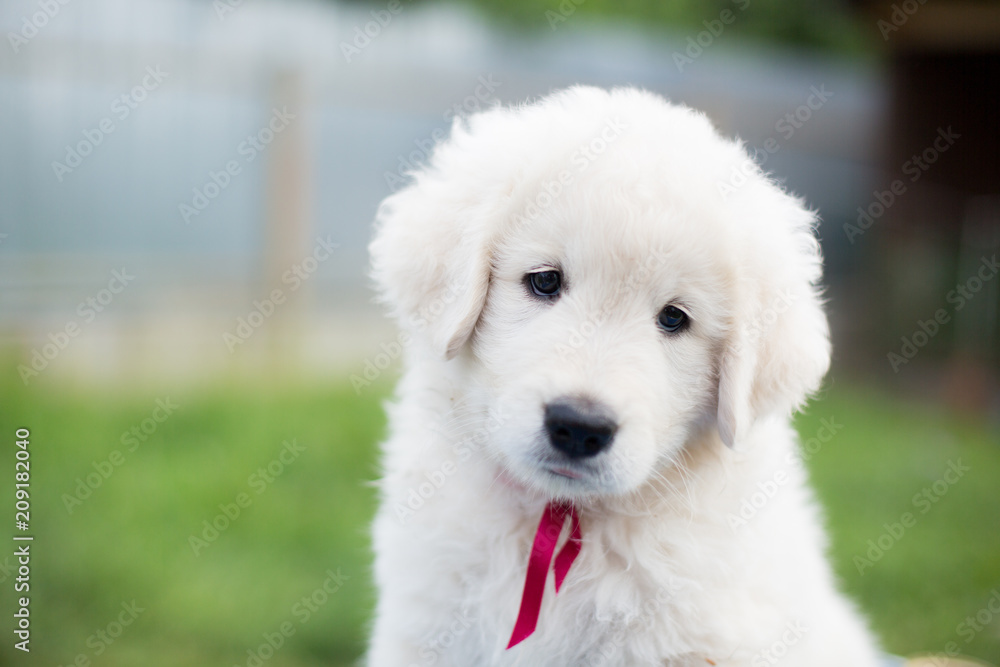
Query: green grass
{"points": [[130, 540], [947, 565]]}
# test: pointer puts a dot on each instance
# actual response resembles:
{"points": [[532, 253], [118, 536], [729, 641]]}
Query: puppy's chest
{"points": [[608, 612]]}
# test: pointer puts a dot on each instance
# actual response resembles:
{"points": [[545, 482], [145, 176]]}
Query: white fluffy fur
{"points": [[666, 576]]}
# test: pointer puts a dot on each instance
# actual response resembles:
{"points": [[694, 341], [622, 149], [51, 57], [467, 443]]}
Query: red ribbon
{"points": [[546, 538]]}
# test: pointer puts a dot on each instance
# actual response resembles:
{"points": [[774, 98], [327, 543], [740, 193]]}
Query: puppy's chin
{"points": [[572, 480], [559, 485]]}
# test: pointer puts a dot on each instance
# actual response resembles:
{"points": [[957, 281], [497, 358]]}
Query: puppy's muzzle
{"points": [[579, 427]]}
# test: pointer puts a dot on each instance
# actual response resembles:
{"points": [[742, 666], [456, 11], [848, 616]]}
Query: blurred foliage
{"points": [[130, 539], [821, 24]]}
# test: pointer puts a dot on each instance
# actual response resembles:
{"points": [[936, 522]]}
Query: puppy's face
{"points": [[589, 270], [599, 341]]}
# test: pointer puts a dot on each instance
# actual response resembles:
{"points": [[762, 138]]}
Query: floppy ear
{"points": [[431, 250], [779, 347]]}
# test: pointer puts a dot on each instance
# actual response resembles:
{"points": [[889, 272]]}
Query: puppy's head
{"points": [[610, 276]]}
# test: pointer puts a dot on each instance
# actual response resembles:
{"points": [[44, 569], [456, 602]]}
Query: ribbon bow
{"points": [[546, 538]]}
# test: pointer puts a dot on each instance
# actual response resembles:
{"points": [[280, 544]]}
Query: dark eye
{"points": [[545, 283], [672, 319]]}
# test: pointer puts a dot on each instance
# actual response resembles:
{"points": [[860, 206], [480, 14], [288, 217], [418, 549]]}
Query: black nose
{"points": [[578, 427]]}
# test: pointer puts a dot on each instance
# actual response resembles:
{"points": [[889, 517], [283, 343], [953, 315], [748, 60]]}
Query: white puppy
{"points": [[598, 294]]}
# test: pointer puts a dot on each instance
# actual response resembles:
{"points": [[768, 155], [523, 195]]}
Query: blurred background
{"points": [[186, 326]]}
